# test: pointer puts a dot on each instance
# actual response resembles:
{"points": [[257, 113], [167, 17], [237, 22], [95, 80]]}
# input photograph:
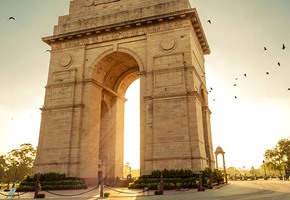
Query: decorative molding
{"points": [[115, 35], [176, 158], [60, 107], [167, 44], [88, 3], [135, 27], [193, 94], [66, 60]]}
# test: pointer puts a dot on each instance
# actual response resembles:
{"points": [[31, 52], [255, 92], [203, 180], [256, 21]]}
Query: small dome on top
{"points": [[219, 150]]}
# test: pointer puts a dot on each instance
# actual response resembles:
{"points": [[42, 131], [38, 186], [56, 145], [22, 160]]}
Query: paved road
{"points": [[238, 190]]}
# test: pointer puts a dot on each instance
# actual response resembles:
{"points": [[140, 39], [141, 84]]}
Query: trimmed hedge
{"points": [[40, 196], [172, 179], [169, 183], [176, 179], [52, 181]]}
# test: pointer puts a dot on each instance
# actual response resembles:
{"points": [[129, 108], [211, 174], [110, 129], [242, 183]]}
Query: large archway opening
{"points": [[116, 72]]}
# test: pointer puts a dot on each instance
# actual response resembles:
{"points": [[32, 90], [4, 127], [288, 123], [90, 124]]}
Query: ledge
{"points": [[190, 14]]}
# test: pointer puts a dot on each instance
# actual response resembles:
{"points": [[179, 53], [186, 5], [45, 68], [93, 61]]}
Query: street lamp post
{"points": [[244, 172], [264, 168], [16, 165]]}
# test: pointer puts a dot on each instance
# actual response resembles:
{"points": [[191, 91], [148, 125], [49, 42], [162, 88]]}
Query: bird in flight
{"points": [[236, 97], [265, 48], [245, 75], [235, 84], [279, 64], [267, 73], [47, 50], [289, 88], [283, 47], [11, 18], [209, 21]]}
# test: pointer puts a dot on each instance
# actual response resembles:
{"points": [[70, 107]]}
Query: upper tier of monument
{"points": [[96, 16]]}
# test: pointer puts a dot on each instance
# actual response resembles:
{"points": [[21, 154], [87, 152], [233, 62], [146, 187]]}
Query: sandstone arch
{"points": [[97, 51]]}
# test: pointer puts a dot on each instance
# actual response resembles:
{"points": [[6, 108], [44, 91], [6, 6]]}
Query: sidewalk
{"points": [[92, 193]]}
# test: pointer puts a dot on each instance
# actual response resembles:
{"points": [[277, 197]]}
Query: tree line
{"points": [[278, 158], [276, 163], [17, 164]]}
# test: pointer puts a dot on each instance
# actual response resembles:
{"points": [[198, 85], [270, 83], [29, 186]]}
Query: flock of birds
{"points": [[245, 75]]}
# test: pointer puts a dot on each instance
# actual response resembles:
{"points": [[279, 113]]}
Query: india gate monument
{"points": [[97, 51]]}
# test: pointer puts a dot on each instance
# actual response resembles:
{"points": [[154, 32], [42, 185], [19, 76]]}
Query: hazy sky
{"points": [[240, 29]]}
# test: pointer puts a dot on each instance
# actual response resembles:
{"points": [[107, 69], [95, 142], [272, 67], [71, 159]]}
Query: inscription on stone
{"points": [[117, 35], [61, 92], [63, 76]]}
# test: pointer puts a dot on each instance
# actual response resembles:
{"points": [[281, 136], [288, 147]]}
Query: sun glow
{"points": [[132, 126]]}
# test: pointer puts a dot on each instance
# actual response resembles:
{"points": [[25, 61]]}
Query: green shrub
{"points": [[52, 181], [106, 194], [40, 196], [158, 192], [178, 186], [169, 186], [209, 187], [176, 179], [201, 189]]}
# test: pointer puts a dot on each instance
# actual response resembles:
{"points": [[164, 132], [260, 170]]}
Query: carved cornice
{"points": [[206, 109], [61, 107], [131, 28], [194, 94], [177, 158]]}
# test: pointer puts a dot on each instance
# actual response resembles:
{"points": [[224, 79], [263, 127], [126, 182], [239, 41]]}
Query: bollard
{"points": [[161, 183], [37, 186], [200, 182], [101, 184]]}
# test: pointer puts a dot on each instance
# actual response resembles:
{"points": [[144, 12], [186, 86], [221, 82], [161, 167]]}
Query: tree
{"points": [[233, 172], [278, 158], [127, 169], [19, 162], [3, 168]]}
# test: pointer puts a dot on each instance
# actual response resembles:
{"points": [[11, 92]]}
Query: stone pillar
{"points": [[216, 162], [116, 142], [218, 151], [225, 169], [208, 135], [90, 134], [145, 125]]}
